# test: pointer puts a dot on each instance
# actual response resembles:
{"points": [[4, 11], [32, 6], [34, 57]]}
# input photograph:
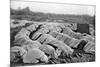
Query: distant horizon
{"points": [[64, 9], [57, 14]]}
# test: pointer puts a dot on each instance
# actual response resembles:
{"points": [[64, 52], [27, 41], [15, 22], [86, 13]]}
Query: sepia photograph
{"points": [[45, 33]]}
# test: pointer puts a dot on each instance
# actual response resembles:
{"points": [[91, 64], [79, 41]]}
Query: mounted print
{"points": [[44, 33]]}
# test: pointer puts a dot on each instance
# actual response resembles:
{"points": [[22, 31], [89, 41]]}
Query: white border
{"points": [[5, 33]]}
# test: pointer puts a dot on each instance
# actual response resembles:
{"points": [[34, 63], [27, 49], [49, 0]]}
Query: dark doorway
{"points": [[83, 28]]}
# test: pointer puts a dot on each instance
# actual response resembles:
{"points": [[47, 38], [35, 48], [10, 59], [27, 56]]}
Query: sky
{"points": [[55, 7]]}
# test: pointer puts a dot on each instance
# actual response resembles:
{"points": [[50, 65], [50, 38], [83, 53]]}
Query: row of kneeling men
{"points": [[47, 45]]}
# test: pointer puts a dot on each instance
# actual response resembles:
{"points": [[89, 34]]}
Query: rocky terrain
{"points": [[35, 43]]}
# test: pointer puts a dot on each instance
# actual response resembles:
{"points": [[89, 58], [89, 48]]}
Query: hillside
{"points": [[27, 14]]}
